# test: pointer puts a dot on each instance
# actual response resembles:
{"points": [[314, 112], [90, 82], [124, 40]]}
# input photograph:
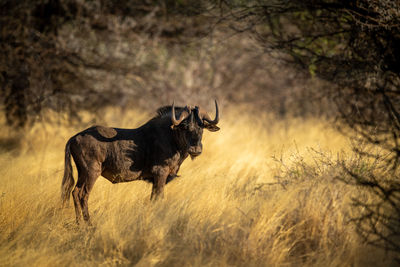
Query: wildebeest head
{"points": [[189, 127]]}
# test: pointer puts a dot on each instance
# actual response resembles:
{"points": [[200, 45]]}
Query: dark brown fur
{"points": [[152, 152]]}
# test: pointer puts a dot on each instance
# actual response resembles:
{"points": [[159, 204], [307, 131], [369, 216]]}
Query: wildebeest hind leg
{"points": [[92, 175], [75, 195], [87, 176], [78, 190]]}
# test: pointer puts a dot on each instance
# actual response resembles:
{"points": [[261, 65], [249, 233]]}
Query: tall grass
{"points": [[256, 196]]}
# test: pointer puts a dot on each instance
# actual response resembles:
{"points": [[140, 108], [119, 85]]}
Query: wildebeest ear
{"points": [[211, 127]]}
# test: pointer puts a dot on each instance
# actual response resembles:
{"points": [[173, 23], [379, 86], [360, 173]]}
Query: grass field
{"points": [[261, 194]]}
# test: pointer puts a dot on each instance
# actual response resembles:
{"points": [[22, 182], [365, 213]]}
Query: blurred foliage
{"points": [[355, 47], [85, 55], [54, 49]]}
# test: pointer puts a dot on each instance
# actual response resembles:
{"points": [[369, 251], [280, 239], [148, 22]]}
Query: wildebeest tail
{"points": [[68, 180]]}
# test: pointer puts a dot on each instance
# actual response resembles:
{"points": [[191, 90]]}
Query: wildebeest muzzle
{"points": [[195, 151]]}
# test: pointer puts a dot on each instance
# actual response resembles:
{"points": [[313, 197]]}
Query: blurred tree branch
{"points": [[48, 62]]}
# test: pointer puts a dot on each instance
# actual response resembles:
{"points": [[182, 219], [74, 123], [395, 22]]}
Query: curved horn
{"points": [[207, 118], [176, 122]]}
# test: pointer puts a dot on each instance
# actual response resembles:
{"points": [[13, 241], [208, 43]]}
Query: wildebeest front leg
{"points": [[158, 185]]}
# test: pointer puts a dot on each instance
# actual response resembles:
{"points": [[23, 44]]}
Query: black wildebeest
{"points": [[152, 152]]}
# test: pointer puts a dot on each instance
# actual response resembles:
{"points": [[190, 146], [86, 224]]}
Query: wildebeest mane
{"points": [[166, 111]]}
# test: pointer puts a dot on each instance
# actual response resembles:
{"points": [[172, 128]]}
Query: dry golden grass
{"points": [[224, 210]]}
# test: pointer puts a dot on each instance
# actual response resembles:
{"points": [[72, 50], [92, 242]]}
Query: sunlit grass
{"points": [[226, 208]]}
